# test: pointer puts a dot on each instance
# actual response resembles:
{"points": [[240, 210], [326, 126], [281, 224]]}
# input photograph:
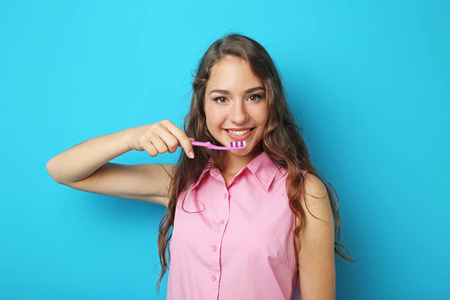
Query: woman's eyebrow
{"points": [[226, 92]]}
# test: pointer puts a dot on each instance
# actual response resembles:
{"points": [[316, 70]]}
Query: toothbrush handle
{"points": [[211, 146], [202, 144]]}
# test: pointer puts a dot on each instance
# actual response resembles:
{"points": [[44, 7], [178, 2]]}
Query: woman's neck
{"points": [[232, 163]]}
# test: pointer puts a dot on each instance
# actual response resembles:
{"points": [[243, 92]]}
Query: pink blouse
{"points": [[235, 242]]}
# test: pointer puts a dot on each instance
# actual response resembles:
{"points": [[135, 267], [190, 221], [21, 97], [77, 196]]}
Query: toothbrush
{"points": [[233, 145]]}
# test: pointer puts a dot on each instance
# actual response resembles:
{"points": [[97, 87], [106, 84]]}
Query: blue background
{"points": [[368, 81]]}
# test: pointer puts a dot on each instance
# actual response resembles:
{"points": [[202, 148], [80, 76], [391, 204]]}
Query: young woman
{"points": [[253, 223]]}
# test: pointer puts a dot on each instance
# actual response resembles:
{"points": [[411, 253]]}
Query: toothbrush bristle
{"points": [[238, 144]]}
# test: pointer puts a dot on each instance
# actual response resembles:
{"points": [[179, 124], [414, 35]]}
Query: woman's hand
{"points": [[160, 137]]}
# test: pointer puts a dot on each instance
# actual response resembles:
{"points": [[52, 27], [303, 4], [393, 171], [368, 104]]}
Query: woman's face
{"points": [[236, 107]]}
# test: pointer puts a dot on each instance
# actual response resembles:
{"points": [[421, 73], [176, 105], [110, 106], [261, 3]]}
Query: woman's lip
{"points": [[240, 137], [239, 129]]}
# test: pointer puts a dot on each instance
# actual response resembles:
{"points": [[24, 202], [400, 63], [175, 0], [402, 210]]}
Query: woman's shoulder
{"points": [[314, 187]]}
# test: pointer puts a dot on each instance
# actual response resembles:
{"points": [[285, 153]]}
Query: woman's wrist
{"points": [[125, 139]]}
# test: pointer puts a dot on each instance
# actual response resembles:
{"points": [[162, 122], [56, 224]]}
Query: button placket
{"points": [[216, 242], [225, 196]]}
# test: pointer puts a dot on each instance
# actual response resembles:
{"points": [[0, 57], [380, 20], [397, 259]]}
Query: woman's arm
{"points": [[86, 166], [316, 257]]}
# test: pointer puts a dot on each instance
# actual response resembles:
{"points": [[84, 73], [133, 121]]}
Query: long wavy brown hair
{"points": [[281, 140]]}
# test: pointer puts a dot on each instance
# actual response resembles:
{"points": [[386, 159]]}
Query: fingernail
{"points": [[191, 154]]}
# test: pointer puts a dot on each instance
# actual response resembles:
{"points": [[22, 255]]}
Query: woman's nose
{"points": [[238, 113]]}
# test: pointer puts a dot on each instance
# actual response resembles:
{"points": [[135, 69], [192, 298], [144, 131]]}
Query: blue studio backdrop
{"points": [[368, 82]]}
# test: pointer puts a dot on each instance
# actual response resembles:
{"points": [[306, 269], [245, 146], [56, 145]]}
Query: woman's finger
{"points": [[149, 148], [160, 146], [182, 138], [170, 140]]}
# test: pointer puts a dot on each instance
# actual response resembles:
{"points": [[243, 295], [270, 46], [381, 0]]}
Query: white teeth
{"points": [[238, 133]]}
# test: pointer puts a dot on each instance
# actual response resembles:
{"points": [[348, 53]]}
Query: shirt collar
{"points": [[262, 167]]}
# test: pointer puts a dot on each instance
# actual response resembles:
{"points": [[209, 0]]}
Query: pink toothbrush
{"points": [[233, 145]]}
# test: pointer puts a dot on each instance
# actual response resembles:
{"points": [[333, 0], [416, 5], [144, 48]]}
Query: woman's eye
{"points": [[254, 97], [220, 99]]}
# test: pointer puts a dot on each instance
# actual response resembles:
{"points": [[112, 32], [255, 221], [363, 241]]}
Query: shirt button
{"points": [[214, 248], [213, 278], [225, 195], [221, 221]]}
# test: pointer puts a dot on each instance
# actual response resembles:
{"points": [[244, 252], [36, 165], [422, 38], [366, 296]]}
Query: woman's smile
{"points": [[239, 135]]}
